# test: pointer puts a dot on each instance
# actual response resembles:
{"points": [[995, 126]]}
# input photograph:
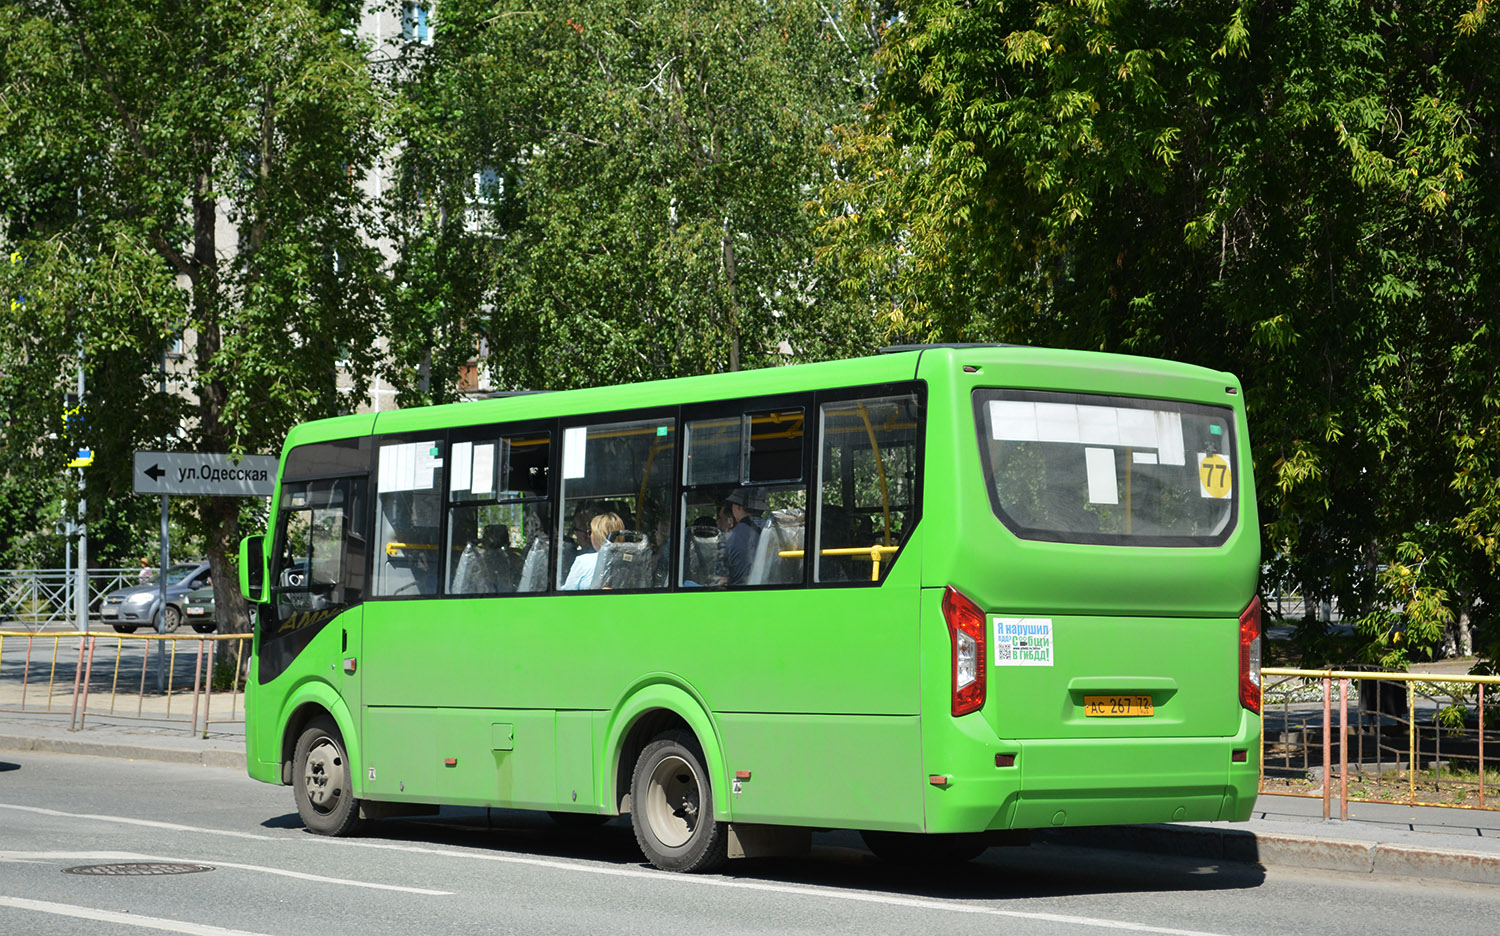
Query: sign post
{"points": [[173, 473], [169, 474]]}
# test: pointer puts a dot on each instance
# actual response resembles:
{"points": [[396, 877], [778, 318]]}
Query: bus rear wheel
{"points": [[672, 807], [321, 780], [907, 848]]}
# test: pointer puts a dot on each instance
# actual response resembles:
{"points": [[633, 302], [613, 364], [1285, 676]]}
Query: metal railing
{"points": [[1416, 738], [33, 599], [124, 676]]}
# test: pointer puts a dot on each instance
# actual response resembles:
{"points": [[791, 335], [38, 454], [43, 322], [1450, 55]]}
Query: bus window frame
{"points": [[742, 407], [586, 420], [440, 483], [980, 398], [476, 432], [915, 387]]}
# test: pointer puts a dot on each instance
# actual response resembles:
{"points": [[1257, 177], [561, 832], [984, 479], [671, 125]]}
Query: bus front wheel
{"points": [[672, 807], [321, 780]]}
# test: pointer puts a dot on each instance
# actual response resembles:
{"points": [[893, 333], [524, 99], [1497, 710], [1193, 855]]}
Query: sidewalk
{"points": [[1289, 832], [1285, 831], [131, 740]]}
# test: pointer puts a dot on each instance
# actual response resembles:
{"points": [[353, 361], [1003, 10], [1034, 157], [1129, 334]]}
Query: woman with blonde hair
{"points": [[601, 528]]}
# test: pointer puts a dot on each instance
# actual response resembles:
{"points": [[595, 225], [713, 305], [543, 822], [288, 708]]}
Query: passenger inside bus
{"points": [[581, 575], [746, 506]]}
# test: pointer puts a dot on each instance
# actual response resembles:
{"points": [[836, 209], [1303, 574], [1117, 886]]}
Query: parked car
{"points": [[198, 610], [139, 605]]}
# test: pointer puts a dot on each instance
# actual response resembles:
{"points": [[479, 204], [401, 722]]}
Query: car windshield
{"points": [[176, 573]]}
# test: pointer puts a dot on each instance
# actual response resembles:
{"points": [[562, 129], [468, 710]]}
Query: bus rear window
{"points": [[1077, 468]]}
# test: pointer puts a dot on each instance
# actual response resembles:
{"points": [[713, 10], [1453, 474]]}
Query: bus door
{"points": [[318, 582]]}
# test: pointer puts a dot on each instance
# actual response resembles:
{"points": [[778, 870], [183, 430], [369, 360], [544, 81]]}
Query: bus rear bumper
{"points": [[1058, 783]]}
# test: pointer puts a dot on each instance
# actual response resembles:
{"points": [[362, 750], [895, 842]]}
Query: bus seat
{"points": [[705, 556], [534, 566], [785, 531], [624, 562]]}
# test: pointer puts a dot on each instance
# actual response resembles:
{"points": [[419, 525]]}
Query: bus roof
{"points": [[892, 364]]}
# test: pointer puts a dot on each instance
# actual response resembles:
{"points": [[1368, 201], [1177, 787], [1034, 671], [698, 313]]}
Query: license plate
{"points": [[109, 612], [1118, 706]]}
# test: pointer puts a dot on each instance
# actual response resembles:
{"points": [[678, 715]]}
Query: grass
{"points": [[1446, 786]]}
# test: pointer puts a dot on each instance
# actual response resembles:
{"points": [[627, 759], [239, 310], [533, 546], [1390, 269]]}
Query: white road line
{"points": [[790, 889], [127, 919], [149, 823], [675, 879], [132, 856]]}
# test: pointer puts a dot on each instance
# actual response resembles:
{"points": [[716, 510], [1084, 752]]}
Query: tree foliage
{"points": [[185, 168], [607, 191], [1302, 193]]}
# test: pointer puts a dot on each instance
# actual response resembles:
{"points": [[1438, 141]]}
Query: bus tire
{"points": [[908, 848], [672, 806], [321, 780]]}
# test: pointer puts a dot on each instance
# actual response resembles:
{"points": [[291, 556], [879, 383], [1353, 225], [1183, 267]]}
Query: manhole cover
{"points": [[138, 868]]}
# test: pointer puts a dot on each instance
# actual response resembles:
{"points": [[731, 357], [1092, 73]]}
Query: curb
{"points": [[1287, 851], [206, 757]]}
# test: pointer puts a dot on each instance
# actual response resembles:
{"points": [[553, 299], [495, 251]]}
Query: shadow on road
{"points": [[838, 859]]}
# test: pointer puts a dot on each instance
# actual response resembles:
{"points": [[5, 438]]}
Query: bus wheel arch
{"points": [[644, 716], [306, 707]]}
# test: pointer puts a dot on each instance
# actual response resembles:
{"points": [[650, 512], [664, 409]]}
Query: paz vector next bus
{"points": [[942, 595]]}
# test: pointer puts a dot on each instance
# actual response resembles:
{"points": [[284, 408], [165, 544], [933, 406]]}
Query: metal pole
{"points": [[1327, 754], [1344, 750], [161, 619], [82, 590]]}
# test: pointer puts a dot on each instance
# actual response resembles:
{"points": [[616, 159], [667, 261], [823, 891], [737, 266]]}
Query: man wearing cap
{"points": [[746, 505]]}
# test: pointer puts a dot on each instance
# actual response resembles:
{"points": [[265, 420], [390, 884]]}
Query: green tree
{"points": [[186, 169], [607, 191], [1293, 191]]}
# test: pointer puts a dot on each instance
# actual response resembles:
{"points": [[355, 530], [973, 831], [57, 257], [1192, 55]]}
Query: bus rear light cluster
{"points": [[1250, 656], [966, 632]]}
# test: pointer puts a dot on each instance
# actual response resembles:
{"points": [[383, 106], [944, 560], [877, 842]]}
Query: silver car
{"points": [[139, 605]]}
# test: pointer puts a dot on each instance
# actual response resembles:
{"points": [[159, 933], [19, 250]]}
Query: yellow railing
{"points": [[1306, 699], [153, 703], [876, 553]]}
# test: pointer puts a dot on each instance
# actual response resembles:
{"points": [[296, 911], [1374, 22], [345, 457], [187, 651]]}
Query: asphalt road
{"points": [[473, 871]]}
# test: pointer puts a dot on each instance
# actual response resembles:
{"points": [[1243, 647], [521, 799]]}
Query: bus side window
{"points": [[498, 514], [408, 505], [867, 485], [623, 469], [744, 499]]}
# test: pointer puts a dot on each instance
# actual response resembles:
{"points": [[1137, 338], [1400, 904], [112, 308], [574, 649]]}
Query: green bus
{"points": [[942, 595]]}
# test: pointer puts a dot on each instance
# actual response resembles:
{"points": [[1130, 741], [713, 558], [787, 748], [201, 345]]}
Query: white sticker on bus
{"points": [[1023, 641], [1082, 424]]}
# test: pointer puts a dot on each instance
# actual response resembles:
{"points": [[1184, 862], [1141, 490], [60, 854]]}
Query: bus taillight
{"points": [[1250, 656], [966, 632]]}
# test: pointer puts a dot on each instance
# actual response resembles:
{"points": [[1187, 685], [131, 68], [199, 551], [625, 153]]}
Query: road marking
{"points": [[127, 919], [28, 857], [666, 877], [671, 879], [149, 823]]}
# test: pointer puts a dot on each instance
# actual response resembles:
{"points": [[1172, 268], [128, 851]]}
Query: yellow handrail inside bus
{"points": [[392, 548], [874, 552]]}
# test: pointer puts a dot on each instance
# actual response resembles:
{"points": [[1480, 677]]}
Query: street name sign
{"points": [[175, 473]]}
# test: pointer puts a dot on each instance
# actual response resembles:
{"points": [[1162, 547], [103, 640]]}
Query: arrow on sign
{"points": [[155, 473]]}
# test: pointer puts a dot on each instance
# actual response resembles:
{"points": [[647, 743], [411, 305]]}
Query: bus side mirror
{"points": [[253, 569]]}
